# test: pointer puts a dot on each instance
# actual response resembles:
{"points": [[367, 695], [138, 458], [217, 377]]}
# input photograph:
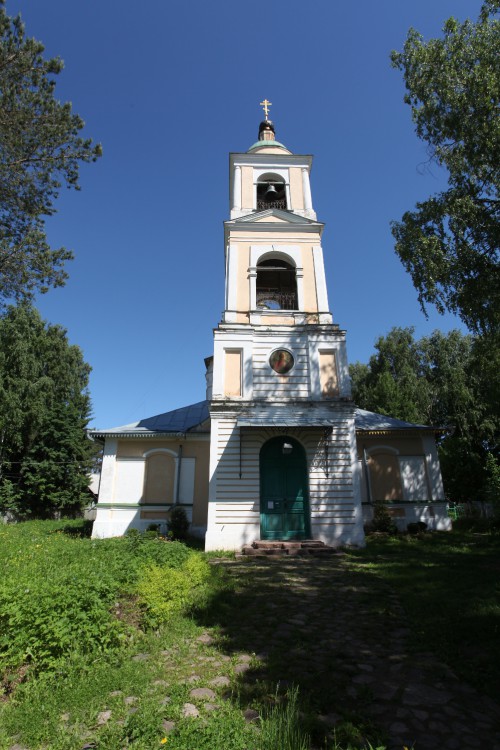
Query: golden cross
{"points": [[266, 106]]}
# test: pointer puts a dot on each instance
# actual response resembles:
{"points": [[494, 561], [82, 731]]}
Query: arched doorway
{"points": [[284, 490]]}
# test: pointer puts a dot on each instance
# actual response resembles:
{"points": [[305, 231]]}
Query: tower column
{"points": [[252, 278], [237, 189], [306, 187]]}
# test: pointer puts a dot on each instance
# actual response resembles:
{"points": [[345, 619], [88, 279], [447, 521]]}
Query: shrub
{"points": [[178, 523], [417, 527], [382, 520], [165, 591]]}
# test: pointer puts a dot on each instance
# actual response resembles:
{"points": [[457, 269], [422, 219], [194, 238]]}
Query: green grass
{"points": [[90, 654], [89, 627], [449, 586]]}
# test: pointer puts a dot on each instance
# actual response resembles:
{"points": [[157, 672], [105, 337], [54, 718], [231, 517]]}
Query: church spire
{"points": [[265, 106], [266, 127]]}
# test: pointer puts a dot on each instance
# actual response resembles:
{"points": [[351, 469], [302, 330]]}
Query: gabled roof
{"points": [[286, 216], [192, 418], [176, 422]]}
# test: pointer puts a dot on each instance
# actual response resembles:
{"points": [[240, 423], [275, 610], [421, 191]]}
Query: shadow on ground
{"points": [[309, 623]]}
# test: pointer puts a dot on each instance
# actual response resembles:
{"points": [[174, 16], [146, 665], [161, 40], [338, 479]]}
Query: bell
{"points": [[271, 192]]}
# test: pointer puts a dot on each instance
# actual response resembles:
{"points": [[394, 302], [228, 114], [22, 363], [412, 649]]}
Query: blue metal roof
{"points": [[186, 418], [177, 421]]}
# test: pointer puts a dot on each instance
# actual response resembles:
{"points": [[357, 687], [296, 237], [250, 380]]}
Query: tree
{"points": [[450, 244], [40, 149], [45, 454], [391, 383], [449, 381]]}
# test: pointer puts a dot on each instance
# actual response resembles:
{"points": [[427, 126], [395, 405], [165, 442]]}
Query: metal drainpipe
{"points": [[178, 487]]}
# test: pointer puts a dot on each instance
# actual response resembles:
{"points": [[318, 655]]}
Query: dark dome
{"points": [[266, 125]]}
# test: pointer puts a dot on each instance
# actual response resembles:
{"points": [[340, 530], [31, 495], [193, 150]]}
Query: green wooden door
{"points": [[284, 497]]}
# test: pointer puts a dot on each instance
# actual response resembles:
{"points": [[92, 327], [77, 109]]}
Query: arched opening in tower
{"points": [[276, 285]]}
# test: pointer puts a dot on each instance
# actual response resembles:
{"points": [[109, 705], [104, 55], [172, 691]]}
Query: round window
{"points": [[281, 361]]}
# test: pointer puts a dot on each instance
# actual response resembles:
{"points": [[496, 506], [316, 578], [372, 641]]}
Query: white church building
{"points": [[277, 450]]}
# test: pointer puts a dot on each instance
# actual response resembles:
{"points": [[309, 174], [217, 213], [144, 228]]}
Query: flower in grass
{"points": [[164, 741]]}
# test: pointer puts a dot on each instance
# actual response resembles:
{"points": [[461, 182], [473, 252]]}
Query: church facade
{"points": [[277, 450]]}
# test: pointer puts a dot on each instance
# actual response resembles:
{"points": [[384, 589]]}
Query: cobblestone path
{"points": [[341, 637]]}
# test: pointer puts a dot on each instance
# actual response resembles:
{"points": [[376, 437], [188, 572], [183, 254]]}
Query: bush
{"points": [[418, 527], [164, 591], [178, 523], [382, 521]]}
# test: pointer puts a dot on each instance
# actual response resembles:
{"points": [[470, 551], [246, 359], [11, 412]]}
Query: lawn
{"points": [[449, 586]]}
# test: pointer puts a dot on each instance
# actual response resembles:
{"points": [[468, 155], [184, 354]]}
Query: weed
{"points": [[281, 724]]}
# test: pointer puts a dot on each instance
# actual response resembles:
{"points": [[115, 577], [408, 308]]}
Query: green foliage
{"points": [[155, 549], [53, 587], [281, 725], [40, 149], [448, 380], [178, 523], [382, 521], [164, 591], [493, 483], [451, 243], [392, 382], [57, 584], [226, 729], [45, 454]]}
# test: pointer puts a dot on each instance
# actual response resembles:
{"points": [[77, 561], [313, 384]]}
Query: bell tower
{"points": [[280, 365]]}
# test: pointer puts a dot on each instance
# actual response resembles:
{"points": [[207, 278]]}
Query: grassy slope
{"points": [[70, 626], [77, 666]]}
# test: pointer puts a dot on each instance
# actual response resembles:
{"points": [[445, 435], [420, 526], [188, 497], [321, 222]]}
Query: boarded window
{"points": [[414, 478], [328, 375], [159, 485], [232, 375], [385, 479]]}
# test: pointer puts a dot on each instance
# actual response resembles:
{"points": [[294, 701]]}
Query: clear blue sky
{"points": [[169, 89]]}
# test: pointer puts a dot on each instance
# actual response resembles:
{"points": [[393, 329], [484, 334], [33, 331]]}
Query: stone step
{"points": [[299, 543], [299, 548]]}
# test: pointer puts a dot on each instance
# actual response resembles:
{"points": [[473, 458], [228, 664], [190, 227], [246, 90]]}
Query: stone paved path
{"points": [[341, 636]]}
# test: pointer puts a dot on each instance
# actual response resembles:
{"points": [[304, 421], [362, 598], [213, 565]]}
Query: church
{"points": [[277, 450]]}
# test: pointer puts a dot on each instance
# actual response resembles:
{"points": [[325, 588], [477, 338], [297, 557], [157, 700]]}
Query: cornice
{"points": [[280, 160]]}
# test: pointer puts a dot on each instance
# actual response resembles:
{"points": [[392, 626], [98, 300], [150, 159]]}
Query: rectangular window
{"points": [[328, 374], [232, 372], [414, 478]]}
